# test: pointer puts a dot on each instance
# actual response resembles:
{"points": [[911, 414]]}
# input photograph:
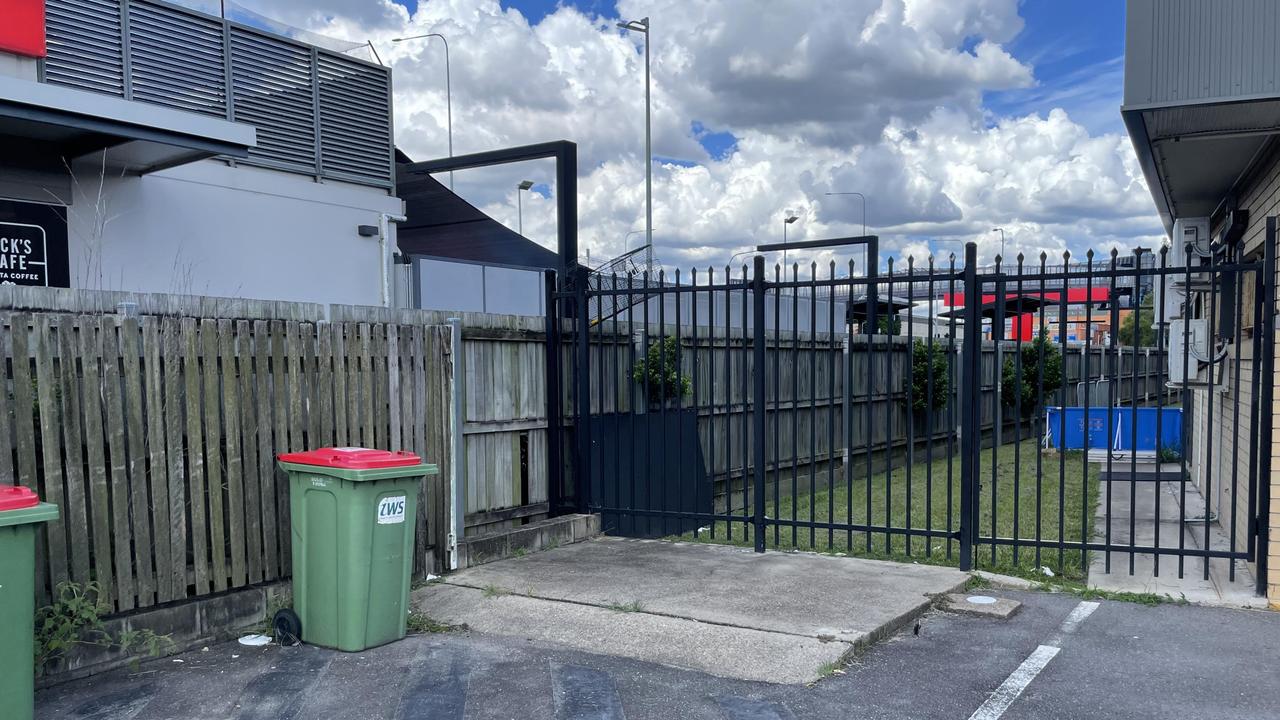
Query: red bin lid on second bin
{"points": [[352, 458], [17, 497]]}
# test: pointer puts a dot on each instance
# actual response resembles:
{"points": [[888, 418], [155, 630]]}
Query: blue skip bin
{"points": [[1068, 429]]}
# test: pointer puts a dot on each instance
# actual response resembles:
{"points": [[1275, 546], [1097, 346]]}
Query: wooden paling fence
{"points": [[156, 434]]}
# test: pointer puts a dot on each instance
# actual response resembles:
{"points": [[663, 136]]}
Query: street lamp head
{"points": [[791, 218], [641, 25], [525, 184]]}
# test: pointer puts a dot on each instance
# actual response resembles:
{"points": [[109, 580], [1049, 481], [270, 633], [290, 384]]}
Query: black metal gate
{"points": [[1024, 416]]}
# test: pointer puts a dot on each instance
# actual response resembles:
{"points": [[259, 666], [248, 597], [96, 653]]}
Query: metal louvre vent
{"points": [[272, 90], [176, 59], [84, 45], [355, 135]]}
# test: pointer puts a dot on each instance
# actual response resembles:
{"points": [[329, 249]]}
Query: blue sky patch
{"points": [[718, 144], [1077, 50], [535, 10]]}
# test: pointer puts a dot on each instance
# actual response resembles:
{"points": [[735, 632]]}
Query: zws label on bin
{"points": [[391, 510]]}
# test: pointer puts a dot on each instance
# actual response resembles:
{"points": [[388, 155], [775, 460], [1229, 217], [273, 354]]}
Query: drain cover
{"points": [[981, 599]]}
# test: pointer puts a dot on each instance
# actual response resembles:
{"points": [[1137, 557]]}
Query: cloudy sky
{"points": [[951, 116]]}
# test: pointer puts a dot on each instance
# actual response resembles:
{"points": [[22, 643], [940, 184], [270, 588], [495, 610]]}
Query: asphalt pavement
{"points": [[1118, 660]]}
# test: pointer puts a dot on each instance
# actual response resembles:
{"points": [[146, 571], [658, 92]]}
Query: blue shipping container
{"points": [[1069, 424]]}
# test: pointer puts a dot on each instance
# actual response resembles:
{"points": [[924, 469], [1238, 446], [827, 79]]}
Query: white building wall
{"points": [[460, 286], [209, 228]]}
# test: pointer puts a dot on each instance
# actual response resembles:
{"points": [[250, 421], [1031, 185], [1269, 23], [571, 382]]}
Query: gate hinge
{"points": [[451, 541]]}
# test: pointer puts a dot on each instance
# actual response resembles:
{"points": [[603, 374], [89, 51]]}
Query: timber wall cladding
{"points": [[156, 437]]}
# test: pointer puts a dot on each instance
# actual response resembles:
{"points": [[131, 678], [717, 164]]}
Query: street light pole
{"points": [[448, 86], [524, 185], [1001, 231], [786, 220], [864, 206], [642, 26]]}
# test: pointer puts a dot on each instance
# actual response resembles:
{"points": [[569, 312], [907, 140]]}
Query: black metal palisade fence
{"points": [[762, 409]]}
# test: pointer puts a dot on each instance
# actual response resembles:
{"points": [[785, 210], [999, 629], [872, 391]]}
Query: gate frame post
{"points": [[970, 426], [555, 410], [758, 399], [582, 396], [1267, 393]]}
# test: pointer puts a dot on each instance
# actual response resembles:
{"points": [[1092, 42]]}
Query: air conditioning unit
{"points": [[1190, 241], [1189, 246], [1197, 346]]}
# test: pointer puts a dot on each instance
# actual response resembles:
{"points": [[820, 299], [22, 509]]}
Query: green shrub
{"points": [[1024, 393], [889, 324], [929, 363], [1146, 335], [660, 368]]}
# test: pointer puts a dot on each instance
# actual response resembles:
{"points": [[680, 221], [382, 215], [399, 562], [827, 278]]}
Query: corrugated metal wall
{"points": [[1185, 50]]}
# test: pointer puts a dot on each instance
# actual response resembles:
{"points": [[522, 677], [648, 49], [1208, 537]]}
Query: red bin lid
{"points": [[352, 458], [17, 497]]}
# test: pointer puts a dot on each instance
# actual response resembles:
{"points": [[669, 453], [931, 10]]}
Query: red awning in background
{"points": [[1075, 296]]}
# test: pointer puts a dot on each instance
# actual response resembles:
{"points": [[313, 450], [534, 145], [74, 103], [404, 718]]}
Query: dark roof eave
{"points": [[1141, 140]]}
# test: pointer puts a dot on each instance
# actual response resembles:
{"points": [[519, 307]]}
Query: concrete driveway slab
{"points": [[721, 650], [728, 611]]}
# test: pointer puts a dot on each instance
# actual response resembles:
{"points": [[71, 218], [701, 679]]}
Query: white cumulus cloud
{"points": [[882, 97]]}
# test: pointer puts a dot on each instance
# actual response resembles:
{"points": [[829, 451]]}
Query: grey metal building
{"points": [[154, 148], [1202, 107]]}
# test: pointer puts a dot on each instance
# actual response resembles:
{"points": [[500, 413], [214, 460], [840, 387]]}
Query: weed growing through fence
{"points": [[929, 509], [75, 618]]}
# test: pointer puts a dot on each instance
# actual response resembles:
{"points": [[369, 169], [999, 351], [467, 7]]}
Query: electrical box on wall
{"points": [[1187, 345]]}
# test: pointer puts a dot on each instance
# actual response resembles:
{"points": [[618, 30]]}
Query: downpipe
{"points": [[384, 251]]}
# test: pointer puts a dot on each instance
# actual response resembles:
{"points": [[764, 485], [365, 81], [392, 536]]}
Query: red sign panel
{"points": [[22, 27]]}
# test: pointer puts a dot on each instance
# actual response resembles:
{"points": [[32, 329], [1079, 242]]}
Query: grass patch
{"points": [[420, 623], [976, 582], [491, 591], [633, 606], [923, 498], [1085, 592], [830, 669]]}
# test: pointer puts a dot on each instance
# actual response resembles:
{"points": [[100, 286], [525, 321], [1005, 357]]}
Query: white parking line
{"points": [[1012, 687], [1019, 679]]}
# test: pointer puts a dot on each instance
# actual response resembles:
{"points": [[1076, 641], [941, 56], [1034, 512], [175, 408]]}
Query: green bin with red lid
{"points": [[354, 511], [20, 513]]}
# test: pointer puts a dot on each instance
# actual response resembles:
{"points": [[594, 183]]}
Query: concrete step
{"points": [[517, 541]]}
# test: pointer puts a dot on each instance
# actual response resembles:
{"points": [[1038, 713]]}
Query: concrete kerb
{"points": [[1008, 581]]}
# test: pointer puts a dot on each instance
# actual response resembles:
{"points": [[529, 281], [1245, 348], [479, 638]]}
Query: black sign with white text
{"points": [[33, 244]]}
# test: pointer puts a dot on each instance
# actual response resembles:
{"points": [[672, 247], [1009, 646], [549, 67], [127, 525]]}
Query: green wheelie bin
{"points": [[20, 511], [353, 518]]}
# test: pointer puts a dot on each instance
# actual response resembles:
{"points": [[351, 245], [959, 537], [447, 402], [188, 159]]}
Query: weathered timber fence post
{"points": [[457, 443]]}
